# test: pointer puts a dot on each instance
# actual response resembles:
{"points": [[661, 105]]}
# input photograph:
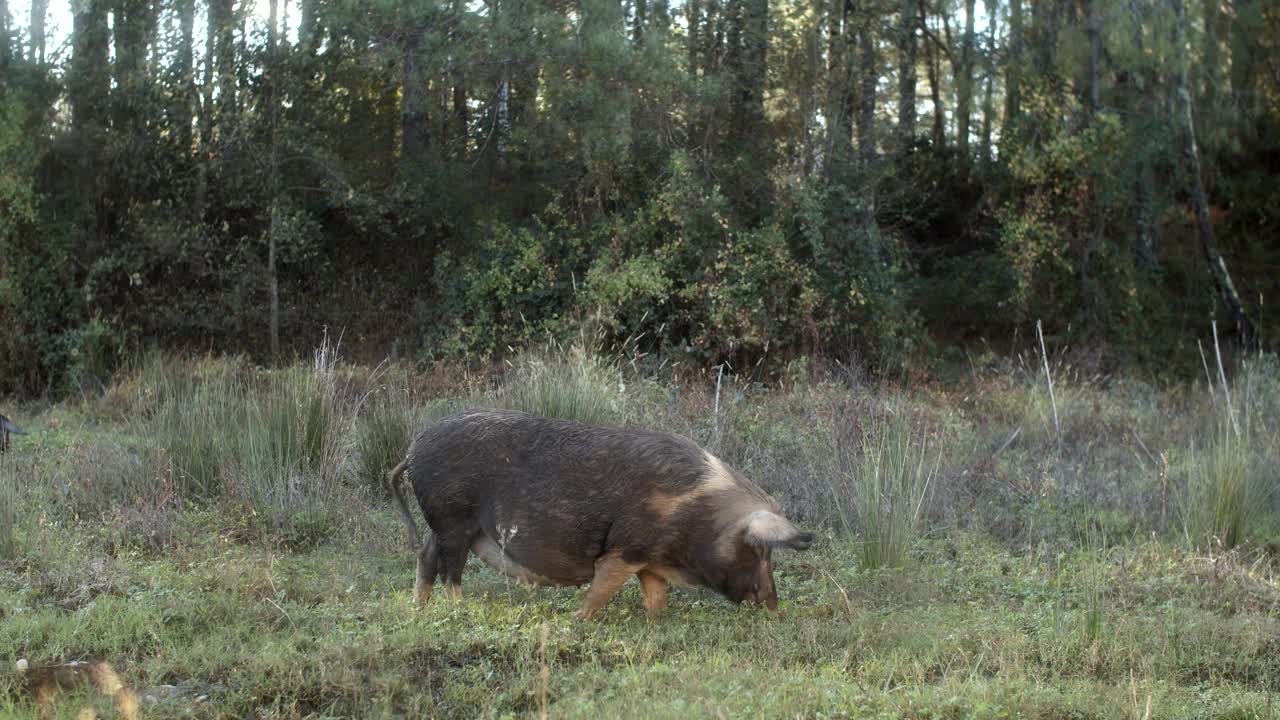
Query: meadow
{"points": [[222, 536]]}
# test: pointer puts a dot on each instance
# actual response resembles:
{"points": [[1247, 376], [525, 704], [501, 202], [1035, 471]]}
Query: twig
{"points": [[1207, 377], [848, 605], [1057, 429], [1222, 375], [544, 674], [719, 376], [1007, 443]]}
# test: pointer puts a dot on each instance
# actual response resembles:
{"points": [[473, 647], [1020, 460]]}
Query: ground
{"points": [[221, 628]]}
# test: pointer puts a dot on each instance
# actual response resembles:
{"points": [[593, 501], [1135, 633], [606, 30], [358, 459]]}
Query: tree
{"points": [[1013, 73], [964, 79], [1199, 200], [989, 80], [39, 12], [908, 22]]}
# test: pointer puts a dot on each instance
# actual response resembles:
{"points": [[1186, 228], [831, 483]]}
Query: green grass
{"points": [[971, 631], [573, 386], [252, 572], [888, 493]]}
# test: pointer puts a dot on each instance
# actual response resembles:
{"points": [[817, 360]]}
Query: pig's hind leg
{"points": [[453, 559], [428, 566]]}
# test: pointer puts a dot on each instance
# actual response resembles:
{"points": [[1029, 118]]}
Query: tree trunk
{"points": [[1137, 87], [867, 94], [222, 20], [130, 29], [964, 79], [272, 275], [413, 112], [1245, 31], [1085, 242], [89, 80], [755, 46], [1200, 202], [841, 100], [502, 114], [274, 227], [1095, 54], [1212, 57], [185, 97], [641, 18], [932, 53], [39, 10], [1013, 74], [989, 70], [6, 37], [908, 21], [1044, 26], [205, 151], [693, 19], [308, 27]]}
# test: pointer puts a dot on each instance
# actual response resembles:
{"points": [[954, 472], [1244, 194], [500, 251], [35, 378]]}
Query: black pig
{"points": [[554, 502]]}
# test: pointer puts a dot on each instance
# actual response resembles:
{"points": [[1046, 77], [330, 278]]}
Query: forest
{"points": [[891, 184]]}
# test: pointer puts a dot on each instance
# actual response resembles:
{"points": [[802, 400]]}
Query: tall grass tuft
{"points": [[577, 385], [385, 430], [196, 413], [882, 498], [297, 439], [8, 510], [279, 440], [1217, 505]]}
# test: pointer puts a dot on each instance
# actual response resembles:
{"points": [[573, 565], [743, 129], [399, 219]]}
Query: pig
{"points": [[7, 428], [555, 502]]}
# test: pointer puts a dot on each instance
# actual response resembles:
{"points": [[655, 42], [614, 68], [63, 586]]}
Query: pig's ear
{"points": [[770, 529]]}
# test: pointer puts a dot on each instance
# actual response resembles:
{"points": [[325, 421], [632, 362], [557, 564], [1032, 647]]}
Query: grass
{"points": [[256, 574], [220, 630], [1217, 505], [888, 494], [574, 386]]}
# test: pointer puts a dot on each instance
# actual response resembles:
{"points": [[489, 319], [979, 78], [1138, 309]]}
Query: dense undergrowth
{"points": [[221, 534]]}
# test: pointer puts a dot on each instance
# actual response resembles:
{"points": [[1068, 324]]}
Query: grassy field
{"points": [[220, 536]]}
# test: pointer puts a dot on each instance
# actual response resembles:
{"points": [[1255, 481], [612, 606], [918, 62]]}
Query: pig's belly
{"points": [[548, 569]]}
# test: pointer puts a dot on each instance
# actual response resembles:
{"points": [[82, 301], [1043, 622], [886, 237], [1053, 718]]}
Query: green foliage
{"points": [[710, 182]]}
